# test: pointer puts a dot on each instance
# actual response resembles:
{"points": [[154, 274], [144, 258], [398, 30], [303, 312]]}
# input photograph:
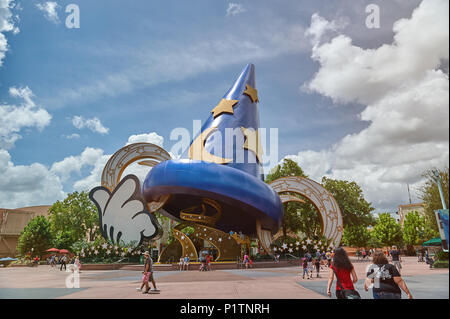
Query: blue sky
{"points": [[150, 66]]}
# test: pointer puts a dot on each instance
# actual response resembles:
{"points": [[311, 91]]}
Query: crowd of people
{"points": [[63, 260], [383, 277]]}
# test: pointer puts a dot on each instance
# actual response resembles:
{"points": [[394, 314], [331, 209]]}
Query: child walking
{"points": [[305, 268]]}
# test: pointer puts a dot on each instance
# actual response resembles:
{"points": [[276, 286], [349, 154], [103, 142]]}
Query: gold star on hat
{"points": [[224, 106], [252, 93], [252, 142]]}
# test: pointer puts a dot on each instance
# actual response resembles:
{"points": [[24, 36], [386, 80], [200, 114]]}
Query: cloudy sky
{"points": [[349, 101]]}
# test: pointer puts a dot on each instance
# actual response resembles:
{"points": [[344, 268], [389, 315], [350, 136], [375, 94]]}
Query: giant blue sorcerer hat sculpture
{"points": [[217, 189], [222, 168]]}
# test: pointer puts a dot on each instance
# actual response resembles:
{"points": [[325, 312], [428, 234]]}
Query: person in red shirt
{"points": [[345, 272], [208, 262]]}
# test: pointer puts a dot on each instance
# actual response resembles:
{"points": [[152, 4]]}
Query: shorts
{"points": [[147, 277], [397, 264]]}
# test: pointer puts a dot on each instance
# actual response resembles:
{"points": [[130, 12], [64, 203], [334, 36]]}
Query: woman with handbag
{"points": [[344, 271]]}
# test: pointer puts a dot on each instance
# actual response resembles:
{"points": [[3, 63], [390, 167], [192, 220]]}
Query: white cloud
{"points": [[94, 124], [6, 25], [30, 185], [407, 105], [24, 185], [97, 160], [35, 184], [15, 117], [146, 138], [71, 136], [71, 164], [320, 27], [235, 8], [49, 9]]}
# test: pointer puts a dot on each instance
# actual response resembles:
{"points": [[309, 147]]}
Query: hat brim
{"points": [[243, 197]]}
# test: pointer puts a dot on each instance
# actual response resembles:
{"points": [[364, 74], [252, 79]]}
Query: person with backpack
{"points": [[385, 278], [342, 268]]}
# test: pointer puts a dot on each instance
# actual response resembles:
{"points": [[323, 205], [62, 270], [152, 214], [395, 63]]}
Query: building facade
{"points": [[404, 210], [12, 223]]}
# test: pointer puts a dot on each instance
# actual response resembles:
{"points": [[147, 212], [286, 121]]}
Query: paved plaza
{"points": [[265, 283]]}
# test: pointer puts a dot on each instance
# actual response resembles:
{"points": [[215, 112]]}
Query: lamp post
{"points": [[438, 180]]}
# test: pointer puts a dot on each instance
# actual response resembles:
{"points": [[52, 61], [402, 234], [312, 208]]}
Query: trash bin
{"points": [[141, 259]]}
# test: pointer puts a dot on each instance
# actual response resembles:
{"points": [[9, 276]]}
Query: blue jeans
{"points": [[386, 295], [305, 271]]}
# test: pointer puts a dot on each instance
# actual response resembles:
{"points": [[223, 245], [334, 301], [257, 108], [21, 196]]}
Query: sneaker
{"points": [[138, 289], [145, 292], [154, 290]]}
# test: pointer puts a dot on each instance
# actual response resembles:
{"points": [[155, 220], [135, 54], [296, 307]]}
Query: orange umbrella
{"points": [[64, 251], [55, 250]]}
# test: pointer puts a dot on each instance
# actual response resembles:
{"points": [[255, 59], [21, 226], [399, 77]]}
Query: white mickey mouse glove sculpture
{"points": [[123, 213]]}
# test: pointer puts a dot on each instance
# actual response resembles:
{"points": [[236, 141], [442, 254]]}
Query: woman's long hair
{"points": [[341, 260]]}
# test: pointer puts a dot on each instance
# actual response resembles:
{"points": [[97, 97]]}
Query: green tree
{"points": [[356, 211], [36, 235], [373, 241], [287, 168], [429, 194], [416, 230], [356, 236], [74, 219], [297, 217], [387, 231]]}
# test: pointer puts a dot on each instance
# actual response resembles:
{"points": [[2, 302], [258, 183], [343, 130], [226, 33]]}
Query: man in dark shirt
{"points": [[396, 259], [63, 262]]}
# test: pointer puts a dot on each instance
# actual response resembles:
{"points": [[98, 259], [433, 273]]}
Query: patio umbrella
{"points": [[64, 251], [433, 242], [53, 250]]}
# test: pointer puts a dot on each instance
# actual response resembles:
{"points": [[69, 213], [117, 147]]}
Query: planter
{"points": [[102, 266], [440, 264]]}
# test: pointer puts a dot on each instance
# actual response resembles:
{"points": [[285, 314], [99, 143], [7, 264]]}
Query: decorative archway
{"points": [[325, 203], [116, 165]]}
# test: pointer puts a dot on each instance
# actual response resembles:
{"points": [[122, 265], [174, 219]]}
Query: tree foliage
{"points": [[74, 219], [36, 235], [287, 168], [356, 236], [429, 194], [416, 230], [297, 217], [387, 231], [356, 211]]}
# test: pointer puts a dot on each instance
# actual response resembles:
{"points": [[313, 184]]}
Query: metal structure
{"points": [[324, 202]]}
